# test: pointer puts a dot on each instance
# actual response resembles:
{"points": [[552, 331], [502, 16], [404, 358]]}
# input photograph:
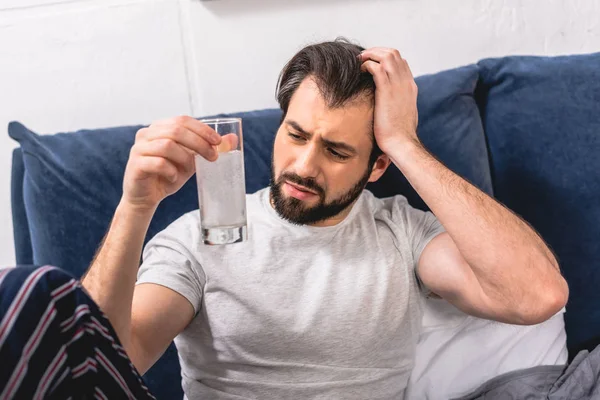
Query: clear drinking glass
{"points": [[222, 186]]}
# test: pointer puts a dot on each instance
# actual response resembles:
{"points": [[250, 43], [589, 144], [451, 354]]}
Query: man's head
{"points": [[325, 151]]}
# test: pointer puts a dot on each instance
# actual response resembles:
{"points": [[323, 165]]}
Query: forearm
{"points": [[507, 256], [111, 278]]}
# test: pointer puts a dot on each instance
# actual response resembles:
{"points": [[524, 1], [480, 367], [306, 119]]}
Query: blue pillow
{"points": [[73, 184], [542, 119]]}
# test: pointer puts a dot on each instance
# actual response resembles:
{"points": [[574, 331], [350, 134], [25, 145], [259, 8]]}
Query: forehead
{"points": [[351, 123]]}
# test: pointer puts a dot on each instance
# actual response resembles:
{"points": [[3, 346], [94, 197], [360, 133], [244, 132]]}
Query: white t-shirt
{"points": [[298, 312], [457, 353]]}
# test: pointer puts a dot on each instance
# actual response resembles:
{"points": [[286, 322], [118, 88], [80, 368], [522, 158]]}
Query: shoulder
{"points": [[405, 220], [383, 202], [186, 223], [180, 235], [387, 208]]}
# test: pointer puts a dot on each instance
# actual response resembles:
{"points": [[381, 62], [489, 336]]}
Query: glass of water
{"points": [[222, 186]]}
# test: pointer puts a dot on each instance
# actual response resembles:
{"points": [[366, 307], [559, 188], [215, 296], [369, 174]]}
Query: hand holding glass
{"points": [[222, 186]]}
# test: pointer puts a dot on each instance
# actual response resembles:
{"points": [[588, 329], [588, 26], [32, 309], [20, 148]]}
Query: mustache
{"points": [[308, 183]]}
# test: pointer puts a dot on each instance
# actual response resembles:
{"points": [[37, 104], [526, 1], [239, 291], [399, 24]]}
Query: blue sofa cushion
{"points": [[542, 119], [73, 181], [22, 239]]}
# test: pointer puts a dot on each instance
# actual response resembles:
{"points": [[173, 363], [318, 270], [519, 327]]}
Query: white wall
{"points": [[72, 64]]}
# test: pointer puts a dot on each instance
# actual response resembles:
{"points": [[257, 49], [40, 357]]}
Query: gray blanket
{"points": [[578, 381]]}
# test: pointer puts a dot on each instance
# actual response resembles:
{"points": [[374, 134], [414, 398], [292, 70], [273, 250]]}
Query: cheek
{"points": [[340, 180], [334, 183], [279, 155]]}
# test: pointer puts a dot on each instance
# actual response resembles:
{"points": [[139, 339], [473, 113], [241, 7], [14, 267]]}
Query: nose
{"points": [[307, 165]]}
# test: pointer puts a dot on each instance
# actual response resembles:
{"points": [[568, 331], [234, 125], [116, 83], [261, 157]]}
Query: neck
{"points": [[334, 220]]}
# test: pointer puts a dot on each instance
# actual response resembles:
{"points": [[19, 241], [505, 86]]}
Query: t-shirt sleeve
{"points": [[421, 226], [168, 261]]}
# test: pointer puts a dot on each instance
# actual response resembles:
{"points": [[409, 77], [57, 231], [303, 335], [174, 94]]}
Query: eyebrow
{"points": [[337, 145]]}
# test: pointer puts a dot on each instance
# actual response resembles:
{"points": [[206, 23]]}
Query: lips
{"points": [[300, 188], [298, 192]]}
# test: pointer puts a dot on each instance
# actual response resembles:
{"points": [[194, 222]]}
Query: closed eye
{"points": [[337, 155], [295, 137]]}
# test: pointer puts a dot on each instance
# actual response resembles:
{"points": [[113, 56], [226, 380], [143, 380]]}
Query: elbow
{"points": [[550, 300], [559, 296]]}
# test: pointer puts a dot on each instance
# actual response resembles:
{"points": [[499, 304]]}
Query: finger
{"points": [[201, 129], [229, 142], [390, 59], [168, 149], [158, 166], [181, 136], [380, 76], [407, 69], [379, 54], [193, 125]]}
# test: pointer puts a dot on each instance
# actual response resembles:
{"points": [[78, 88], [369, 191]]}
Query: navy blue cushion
{"points": [[73, 181], [23, 250], [542, 119], [450, 127]]}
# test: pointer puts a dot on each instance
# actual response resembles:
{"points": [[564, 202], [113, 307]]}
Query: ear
{"points": [[380, 166]]}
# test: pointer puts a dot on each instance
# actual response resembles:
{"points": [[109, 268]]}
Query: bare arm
{"points": [[148, 317], [158, 315], [111, 278], [490, 263]]}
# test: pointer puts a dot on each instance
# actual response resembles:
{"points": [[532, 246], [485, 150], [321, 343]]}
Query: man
{"points": [[324, 300]]}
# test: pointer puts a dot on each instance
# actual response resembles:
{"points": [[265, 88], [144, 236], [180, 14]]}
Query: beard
{"points": [[297, 212]]}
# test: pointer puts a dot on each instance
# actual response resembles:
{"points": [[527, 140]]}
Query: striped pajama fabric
{"points": [[55, 343]]}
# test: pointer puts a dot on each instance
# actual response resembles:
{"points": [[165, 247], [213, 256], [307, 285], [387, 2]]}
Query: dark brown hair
{"points": [[335, 69]]}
